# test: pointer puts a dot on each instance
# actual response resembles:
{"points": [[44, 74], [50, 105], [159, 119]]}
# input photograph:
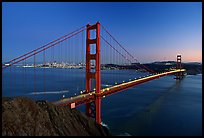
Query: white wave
{"points": [[50, 92], [124, 134], [103, 124]]}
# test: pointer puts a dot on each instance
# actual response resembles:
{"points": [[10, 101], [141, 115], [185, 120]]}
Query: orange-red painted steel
{"points": [[179, 75], [88, 68], [96, 75], [42, 46], [39, 50], [90, 98]]}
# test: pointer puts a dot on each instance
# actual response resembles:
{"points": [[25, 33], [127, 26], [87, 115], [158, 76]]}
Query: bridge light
{"points": [[94, 89], [81, 92], [135, 78], [107, 89], [104, 96], [115, 82], [106, 85], [123, 81], [129, 79]]}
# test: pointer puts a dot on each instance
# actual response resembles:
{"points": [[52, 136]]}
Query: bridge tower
{"points": [[179, 66], [93, 109]]}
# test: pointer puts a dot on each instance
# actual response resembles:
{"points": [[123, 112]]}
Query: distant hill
{"points": [[192, 68]]}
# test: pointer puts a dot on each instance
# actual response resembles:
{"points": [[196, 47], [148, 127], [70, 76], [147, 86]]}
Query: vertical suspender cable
{"points": [[25, 75], [10, 81], [44, 72], [34, 64], [14, 78], [58, 68], [82, 48], [61, 67]]}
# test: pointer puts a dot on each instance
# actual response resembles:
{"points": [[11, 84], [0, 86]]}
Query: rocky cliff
{"points": [[22, 116]]}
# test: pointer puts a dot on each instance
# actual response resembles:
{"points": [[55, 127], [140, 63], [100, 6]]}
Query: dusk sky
{"points": [[149, 31]]}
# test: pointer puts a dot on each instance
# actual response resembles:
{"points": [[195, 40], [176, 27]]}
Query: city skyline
{"points": [[149, 31]]}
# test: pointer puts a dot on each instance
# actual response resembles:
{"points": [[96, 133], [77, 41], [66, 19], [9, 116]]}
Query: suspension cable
{"points": [[115, 49], [45, 45], [149, 70], [36, 52]]}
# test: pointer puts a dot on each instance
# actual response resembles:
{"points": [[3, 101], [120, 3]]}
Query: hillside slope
{"points": [[22, 116]]}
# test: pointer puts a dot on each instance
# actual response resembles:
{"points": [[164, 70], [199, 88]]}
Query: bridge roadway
{"points": [[89, 97]]}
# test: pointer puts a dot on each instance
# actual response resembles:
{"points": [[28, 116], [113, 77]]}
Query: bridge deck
{"points": [[84, 98]]}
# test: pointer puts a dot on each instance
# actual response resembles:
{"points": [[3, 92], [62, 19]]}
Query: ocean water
{"points": [[163, 107], [159, 107]]}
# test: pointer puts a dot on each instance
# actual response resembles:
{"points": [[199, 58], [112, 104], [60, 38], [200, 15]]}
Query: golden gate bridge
{"points": [[100, 49]]}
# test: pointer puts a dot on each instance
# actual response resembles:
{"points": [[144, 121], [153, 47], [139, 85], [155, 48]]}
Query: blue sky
{"points": [[150, 31]]}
